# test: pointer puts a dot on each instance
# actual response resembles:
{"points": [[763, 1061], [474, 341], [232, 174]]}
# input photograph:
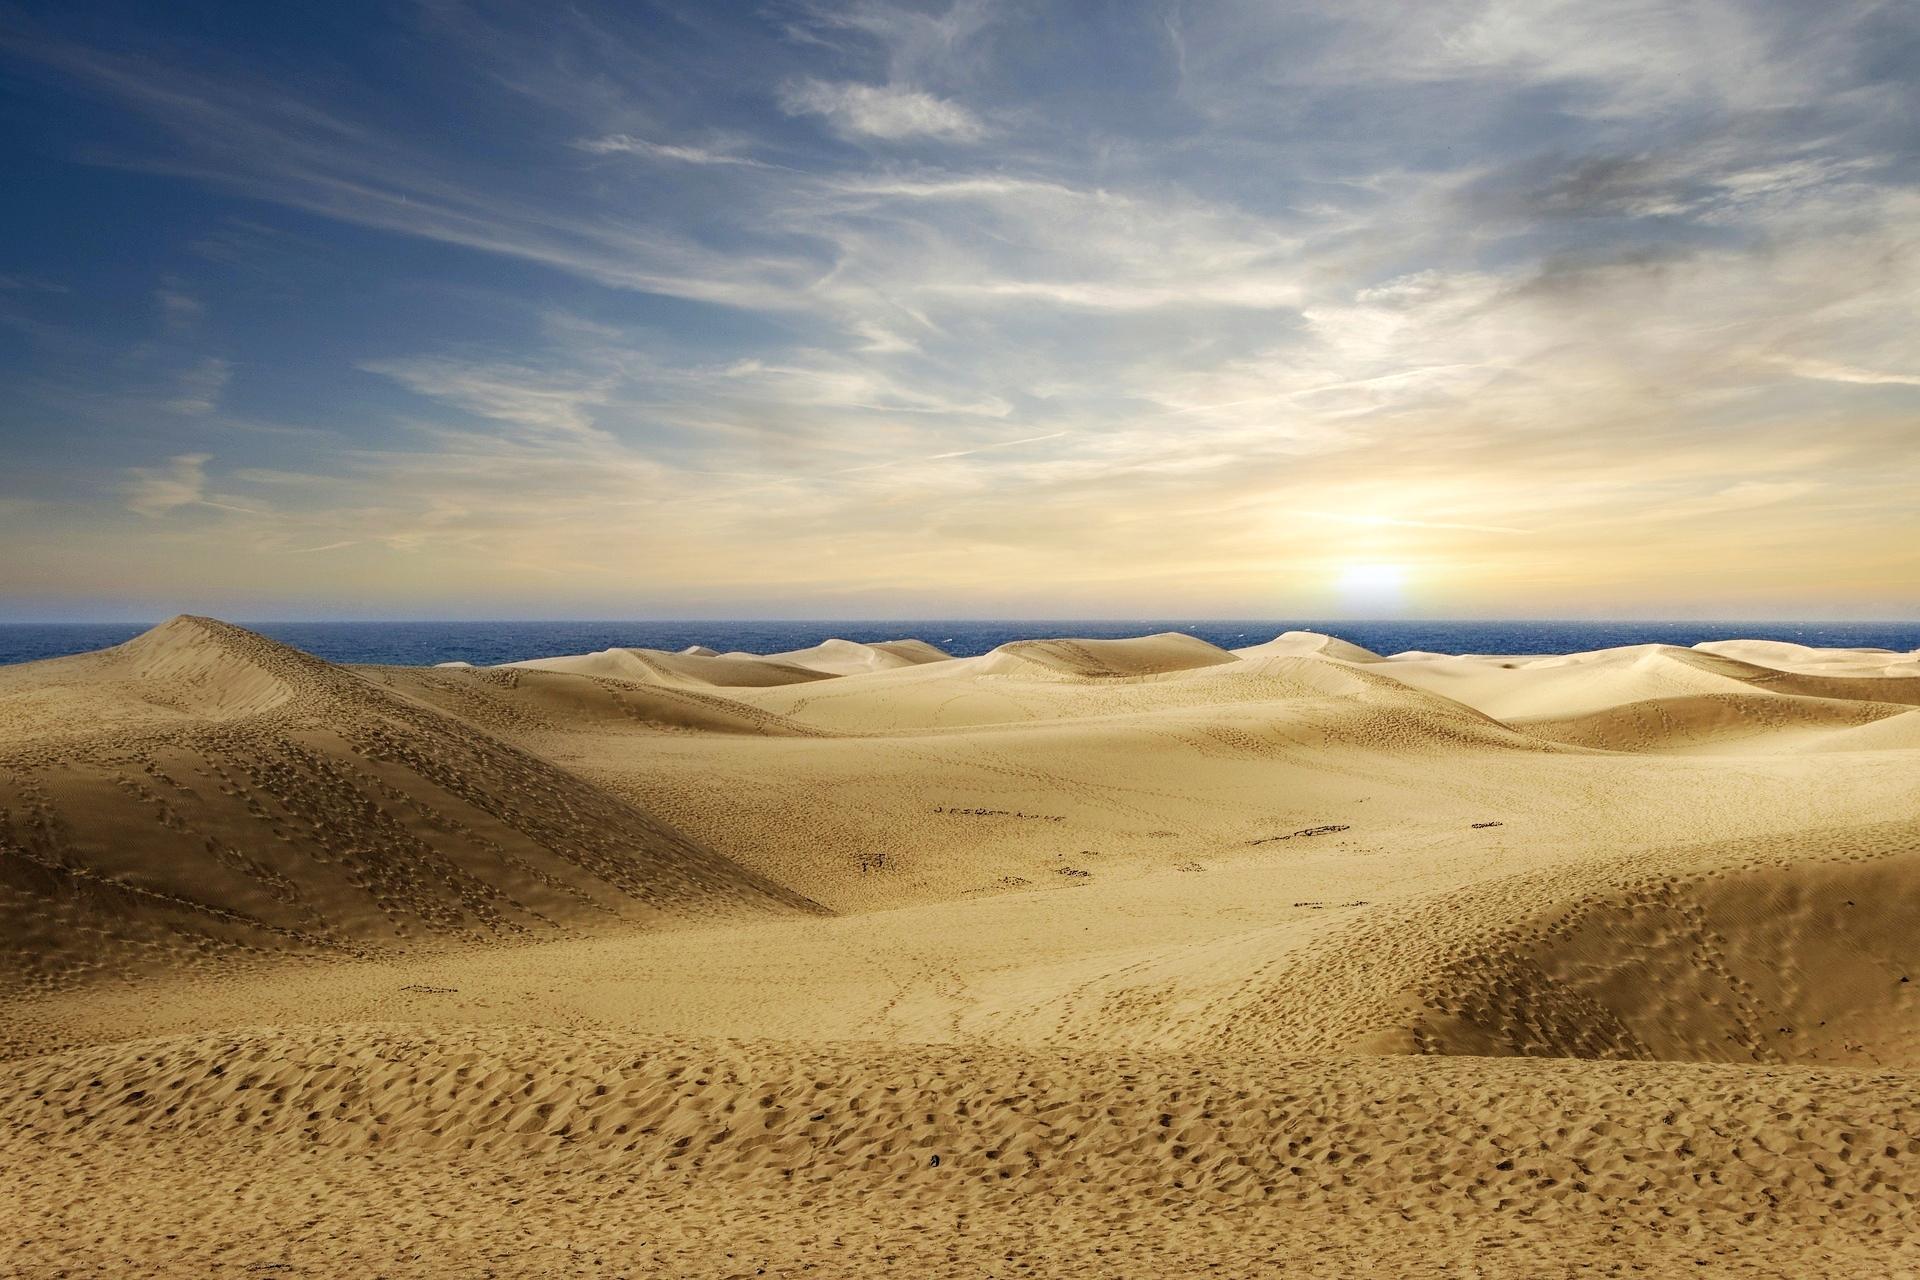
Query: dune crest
{"points": [[1313, 642], [852, 657], [1156, 655], [652, 666]]}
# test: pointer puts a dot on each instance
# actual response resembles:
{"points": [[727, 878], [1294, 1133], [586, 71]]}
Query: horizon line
{"points": [[1001, 619]]}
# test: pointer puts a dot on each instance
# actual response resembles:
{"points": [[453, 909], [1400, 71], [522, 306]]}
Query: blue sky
{"points": [[983, 308]]}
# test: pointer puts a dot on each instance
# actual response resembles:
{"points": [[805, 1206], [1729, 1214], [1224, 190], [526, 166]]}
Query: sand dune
{"points": [[1892, 733], [1712, 722], [1786, 656], [1299, 642], [201, 790], [651, 666], [850, 657], [530, 699], [1808, 962], [1579, 685], [1079, 957], [1105, 659]]}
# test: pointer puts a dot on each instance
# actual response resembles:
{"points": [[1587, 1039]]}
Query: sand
{"points": [[1102, 958]]}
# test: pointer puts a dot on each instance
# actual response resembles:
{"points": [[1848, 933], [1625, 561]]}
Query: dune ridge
{"points": [[1310, 642], [651, 666], [850, 657]]}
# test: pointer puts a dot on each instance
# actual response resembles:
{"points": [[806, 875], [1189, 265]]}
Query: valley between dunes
{"points": [[1079, 958]]}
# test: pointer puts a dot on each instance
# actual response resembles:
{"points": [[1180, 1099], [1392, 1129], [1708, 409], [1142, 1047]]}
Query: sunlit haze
{"points": [[982, 309]]}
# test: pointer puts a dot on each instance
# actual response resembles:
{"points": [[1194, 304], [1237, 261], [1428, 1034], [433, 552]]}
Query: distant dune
{"points": [[651, 666], [1309, 642], [1102, 957], [850, 657], [1107, 659]]}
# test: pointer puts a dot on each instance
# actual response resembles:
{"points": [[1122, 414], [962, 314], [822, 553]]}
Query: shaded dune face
{"points": [[1731, 722], [1814, 961], [1659, 699], [239, 796], [1865, 684], [1797, 967], [1893, 733]]}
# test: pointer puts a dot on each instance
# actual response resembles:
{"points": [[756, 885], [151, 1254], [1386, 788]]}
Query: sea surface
{"points": [[482, 643]]}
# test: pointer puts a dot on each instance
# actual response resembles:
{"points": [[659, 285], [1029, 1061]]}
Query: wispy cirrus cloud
{"points": [[180, 482], [155, 491], [880, 111], [625, 144], [198, 387], [1829, 371], [180, 311], [529, 398]]}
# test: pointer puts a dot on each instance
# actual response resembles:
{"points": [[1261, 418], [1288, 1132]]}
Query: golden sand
{"points": [[1102, 958]]}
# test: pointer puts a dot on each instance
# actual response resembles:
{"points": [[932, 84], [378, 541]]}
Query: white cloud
{"points": [[179, 310], [1743, 496], [1396, 522], [562, 404], [259, 139], [199, 387], [1828, 371], [882, 111], [845, 386], [156, 491], [1227, 290], [958, 186], [625, 144]]}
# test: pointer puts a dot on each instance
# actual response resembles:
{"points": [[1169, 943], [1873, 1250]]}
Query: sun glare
{"points": [[1371, 585]]}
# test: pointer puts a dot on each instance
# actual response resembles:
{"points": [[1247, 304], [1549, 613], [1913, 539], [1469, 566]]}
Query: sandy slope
{"points": [[202, 793], [651, 666], [1180, 961]]}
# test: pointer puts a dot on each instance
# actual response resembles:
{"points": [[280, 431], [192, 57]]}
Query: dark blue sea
{"points": [[481, 643]]}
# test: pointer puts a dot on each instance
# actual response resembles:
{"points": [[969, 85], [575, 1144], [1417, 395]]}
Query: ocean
{"points": [[483, 643]]}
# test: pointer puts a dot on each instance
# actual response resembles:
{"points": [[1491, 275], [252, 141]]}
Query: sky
{"points": [[992, 308]]}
